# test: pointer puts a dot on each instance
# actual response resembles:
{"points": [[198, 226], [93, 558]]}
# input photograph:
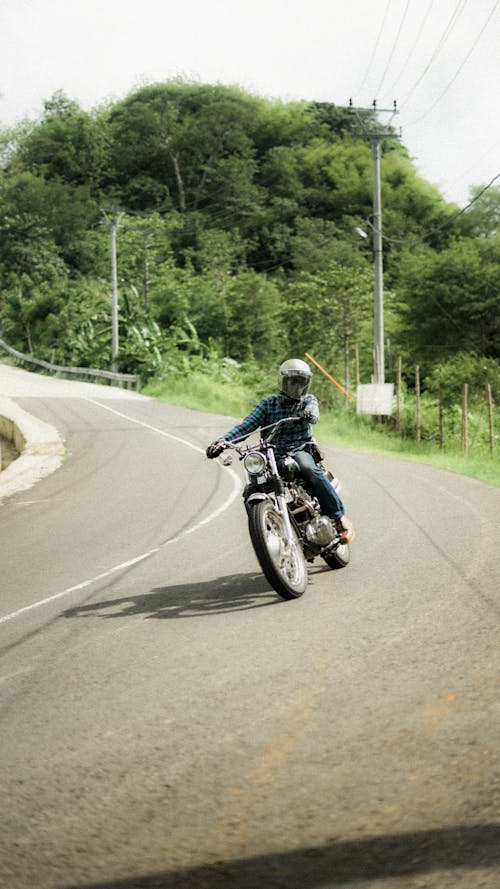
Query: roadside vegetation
{"points": [[225, 388], [237, 223]]}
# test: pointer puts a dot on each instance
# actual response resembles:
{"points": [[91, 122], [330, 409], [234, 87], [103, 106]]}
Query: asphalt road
{"points": [[168, 721]]}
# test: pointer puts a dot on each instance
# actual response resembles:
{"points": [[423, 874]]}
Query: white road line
{"points": [[140, 558]]}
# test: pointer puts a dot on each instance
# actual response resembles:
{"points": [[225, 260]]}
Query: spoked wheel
{"points": [[339, 557], [283, 563]]}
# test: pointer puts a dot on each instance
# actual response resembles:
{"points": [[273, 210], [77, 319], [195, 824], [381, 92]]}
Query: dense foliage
{"points": [[237, 237]]}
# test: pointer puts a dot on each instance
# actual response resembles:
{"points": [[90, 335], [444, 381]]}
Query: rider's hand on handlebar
{"points": [[306, 415], [215, 449]]}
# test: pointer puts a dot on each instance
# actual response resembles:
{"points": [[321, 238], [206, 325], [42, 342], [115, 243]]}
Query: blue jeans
{"points": [[317, 483]]}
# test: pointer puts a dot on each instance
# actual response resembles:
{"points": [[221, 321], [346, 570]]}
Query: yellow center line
{"points": [[240, 802]]}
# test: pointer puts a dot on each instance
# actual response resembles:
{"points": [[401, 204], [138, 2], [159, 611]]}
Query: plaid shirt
{"points": [[293, 436]]}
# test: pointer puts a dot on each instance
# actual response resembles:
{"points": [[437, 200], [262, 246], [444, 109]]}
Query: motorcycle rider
{"points": [[294, 439]]}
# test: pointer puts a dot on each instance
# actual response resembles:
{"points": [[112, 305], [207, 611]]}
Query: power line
{"points": [[414, 45], [459, 8], [370, 63], [476, 162], [473, 201], [459, 69], [420, 238], [391, 54]]}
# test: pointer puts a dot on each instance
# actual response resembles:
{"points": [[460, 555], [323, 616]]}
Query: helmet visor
{"points": [[295, 384]]}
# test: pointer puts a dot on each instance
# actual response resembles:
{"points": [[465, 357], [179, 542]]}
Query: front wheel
{"points": [[282, 562]]}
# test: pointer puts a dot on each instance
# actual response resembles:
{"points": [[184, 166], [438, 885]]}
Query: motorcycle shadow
{"points": [[235, 592]]}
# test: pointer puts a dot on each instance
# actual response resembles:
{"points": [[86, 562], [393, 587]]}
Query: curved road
{"points": [[167, 721]]}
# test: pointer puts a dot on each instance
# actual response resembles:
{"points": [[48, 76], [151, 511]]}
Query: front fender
{"points": [[280, 506], [255, 497]]}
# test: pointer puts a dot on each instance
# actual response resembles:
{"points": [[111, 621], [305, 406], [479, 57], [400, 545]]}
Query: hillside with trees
{"points": [[237, 238]]}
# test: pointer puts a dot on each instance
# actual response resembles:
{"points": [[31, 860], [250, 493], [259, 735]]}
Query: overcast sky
{"points": [[440, 59]]}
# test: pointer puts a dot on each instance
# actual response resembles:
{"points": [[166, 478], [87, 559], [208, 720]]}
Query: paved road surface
{"points": [[167, 721]]}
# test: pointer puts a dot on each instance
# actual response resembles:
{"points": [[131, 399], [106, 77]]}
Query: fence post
{"points": [[465, 431], [417, 402], [441, 418], [347, 376], [398, 396], [490, 418]]}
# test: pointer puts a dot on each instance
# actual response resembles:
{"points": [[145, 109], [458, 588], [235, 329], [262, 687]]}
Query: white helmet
{"points": [[294, 377]]}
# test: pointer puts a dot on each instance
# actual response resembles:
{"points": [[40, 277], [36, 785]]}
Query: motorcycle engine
{"points": [[320, 531]]}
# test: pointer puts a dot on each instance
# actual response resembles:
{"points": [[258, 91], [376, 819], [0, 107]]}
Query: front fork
{"points": [[279, 496], [280, 499]]}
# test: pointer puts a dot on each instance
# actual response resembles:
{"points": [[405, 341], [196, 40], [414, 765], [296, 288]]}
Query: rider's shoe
{"points": [[345, 529]]}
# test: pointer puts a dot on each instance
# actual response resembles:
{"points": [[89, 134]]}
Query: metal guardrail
{"points": [[87, 373]]}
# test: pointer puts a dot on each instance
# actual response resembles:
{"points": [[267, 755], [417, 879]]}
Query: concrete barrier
{"points": [[40, 446]]}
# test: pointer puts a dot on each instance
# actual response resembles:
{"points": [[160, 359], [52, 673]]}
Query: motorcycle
{"points": [[286, 526]]}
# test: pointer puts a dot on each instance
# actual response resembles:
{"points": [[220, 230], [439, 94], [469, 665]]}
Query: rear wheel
{"points": [[339, 557], [282, 562]]}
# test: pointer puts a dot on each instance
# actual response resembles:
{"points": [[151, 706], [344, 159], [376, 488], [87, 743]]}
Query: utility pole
{"points": [[113, 228], [376, 133]]}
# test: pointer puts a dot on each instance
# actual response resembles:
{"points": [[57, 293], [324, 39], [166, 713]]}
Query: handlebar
{"points": [[273, 426]]}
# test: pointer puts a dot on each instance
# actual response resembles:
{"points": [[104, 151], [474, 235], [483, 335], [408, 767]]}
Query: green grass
{"points": [[347, 432], [233, 398], [202, 393]]}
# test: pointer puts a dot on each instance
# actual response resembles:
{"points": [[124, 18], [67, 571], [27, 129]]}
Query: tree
{"points": [[144, 244], [30, 310], [482, 219], [337, 178], [449, 301], [178, 133], [449, 377], [318, 241], [31, 205], [240, 215], [254, 328], [68, 144], [326, 311], [220, 254], [182, 298], [413, 209]]}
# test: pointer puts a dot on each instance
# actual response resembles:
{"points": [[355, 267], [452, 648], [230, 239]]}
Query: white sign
{"points": [[375, 398]]}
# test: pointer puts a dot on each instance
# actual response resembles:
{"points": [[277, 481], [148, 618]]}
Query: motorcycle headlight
{"points": [[254, 463]]}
